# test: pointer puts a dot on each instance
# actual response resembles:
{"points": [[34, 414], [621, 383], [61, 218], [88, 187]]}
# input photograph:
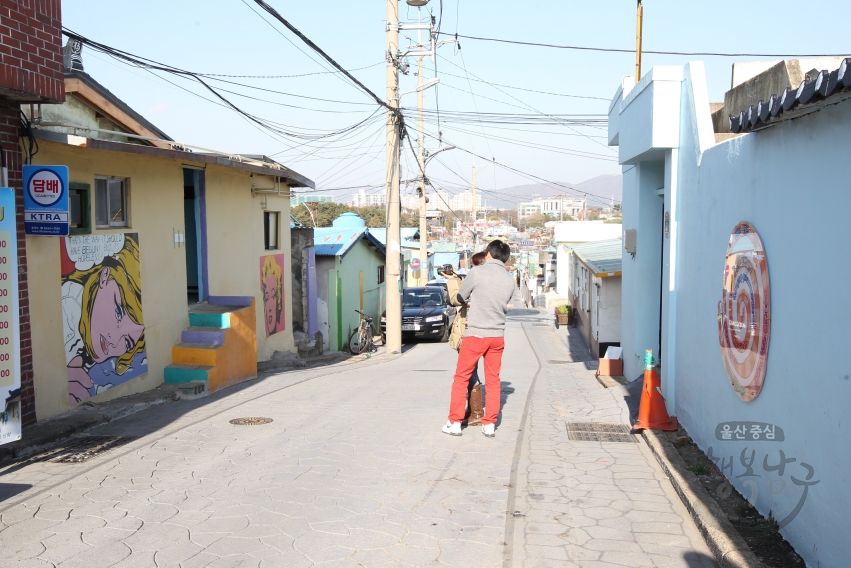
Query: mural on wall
{"points": [[102, 313], [272, 287], [744, 312]]}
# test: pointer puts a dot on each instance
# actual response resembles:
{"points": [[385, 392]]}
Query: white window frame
{"points": [[109, 180], [267, 234]]}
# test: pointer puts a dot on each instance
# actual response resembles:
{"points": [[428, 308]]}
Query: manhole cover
{"points": [[557, 362], [83, 448], [599, 432], [253, 421]]}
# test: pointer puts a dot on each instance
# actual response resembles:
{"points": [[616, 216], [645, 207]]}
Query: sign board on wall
{"points": [[46, 200], [10, 341], [744, 312]]}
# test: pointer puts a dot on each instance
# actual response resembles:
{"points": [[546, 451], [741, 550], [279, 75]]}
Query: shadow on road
{"points": [[9, 490], [699, 560], [633, 399]]}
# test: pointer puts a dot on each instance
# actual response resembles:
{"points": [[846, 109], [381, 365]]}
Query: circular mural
{"points": [[744, 312]]}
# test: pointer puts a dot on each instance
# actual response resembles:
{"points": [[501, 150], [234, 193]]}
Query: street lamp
{"points": [[438, 151], [311, 214]]}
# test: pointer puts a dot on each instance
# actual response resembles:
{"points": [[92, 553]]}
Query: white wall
{"points": [[562, 272], [608, 310], [708, 190], [584, 231]]}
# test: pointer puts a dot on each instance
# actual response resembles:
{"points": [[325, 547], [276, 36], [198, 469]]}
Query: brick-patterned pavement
{"points": [[354, 471]]}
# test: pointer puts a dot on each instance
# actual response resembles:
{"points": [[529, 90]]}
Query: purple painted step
{"points": [[208, 335]]}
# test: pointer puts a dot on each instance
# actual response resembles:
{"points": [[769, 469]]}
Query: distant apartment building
{"points": [[362, 199], [464, 201], [443, 201], [558, 206], [299, 199]]}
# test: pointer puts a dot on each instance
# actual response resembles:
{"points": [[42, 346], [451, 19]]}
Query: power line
{"points": [[529, 90], [327, 57], [615, 50], [287, 76], [530, 107]]}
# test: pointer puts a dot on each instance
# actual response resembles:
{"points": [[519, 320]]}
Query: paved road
{"points": [[354, 471]]}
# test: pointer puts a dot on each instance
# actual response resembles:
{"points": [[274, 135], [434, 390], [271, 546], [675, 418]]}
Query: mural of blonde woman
{"points": [[102, 311], [272, 287]]}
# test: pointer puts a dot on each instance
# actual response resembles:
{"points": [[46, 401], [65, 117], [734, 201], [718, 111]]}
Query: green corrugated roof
{"points": [[602, 257]]}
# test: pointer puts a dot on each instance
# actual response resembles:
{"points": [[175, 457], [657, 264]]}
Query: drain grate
{"points": [[558, 362], [541, 325], [253, 421], [83, 448], [599, 432]]}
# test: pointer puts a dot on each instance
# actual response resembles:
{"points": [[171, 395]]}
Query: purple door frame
{"points": [[312, 316]]}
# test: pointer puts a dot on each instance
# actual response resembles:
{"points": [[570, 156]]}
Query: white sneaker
{"points": [[452, 428], [489, 430]]}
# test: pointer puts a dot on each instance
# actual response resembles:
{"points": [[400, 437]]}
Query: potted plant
{"points": [[563, 314]]}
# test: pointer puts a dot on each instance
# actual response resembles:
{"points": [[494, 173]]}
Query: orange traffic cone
{"points": [[653, 414]]}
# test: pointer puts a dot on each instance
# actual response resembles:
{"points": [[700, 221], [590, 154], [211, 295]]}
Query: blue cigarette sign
{"points": [[46, 200]]}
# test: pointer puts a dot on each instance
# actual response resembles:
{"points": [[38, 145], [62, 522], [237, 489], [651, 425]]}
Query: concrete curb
{"points": [[84, 417], [729, 548]]}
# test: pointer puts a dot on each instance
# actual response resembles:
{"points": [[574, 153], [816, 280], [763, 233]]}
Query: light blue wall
{"points": [[642, 275], [791, 182]]}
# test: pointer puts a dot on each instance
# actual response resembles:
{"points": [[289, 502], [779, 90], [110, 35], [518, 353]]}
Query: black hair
{"points": [[499, 250]]}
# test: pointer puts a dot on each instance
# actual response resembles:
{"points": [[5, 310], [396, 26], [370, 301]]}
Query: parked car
{"points": [[426, 314]]}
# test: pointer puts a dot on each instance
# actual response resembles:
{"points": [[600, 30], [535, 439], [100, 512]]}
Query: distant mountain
{"points": [[608, 186], [604, 186]]}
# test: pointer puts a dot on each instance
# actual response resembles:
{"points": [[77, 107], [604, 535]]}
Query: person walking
{"points": [[488, 288], [474, 412]]}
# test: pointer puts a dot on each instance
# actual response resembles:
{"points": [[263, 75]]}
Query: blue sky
{"points": [[227, 37]]}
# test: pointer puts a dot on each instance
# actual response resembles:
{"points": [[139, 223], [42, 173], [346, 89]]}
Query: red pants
{"points": [[472, 348]]}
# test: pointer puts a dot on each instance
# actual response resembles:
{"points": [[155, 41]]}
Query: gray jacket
{"points": [[488, 288]]}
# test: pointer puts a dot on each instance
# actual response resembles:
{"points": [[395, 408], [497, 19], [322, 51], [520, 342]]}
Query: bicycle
{"points": [[360, 341]]}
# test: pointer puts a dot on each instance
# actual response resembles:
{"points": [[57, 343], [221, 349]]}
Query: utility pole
{"points": [[584, 203], [639, 20], [473, 207], [393, 259], [424, 275]]}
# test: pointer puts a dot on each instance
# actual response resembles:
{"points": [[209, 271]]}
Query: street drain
{"points": [[599, 432], [253, 421], [541, 325], [557, 362], [83, 448]]}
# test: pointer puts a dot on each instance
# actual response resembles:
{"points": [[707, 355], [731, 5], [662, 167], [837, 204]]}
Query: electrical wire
{"points": [[327, 57], [288, 76], [615, 50], [529, 90], [531, 107]]}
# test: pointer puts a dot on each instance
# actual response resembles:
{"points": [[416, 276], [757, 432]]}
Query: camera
{"points": [[447, 269]]}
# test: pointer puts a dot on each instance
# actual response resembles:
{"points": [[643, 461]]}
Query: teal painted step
{"points": [[181, 374], [202, 319]]}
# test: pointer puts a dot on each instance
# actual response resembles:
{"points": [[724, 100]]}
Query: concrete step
{"points": [[177, 374], [197, 353], [209, 320], [209, 335]]}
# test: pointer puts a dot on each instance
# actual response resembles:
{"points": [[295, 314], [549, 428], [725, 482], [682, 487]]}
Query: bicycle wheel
{"points": [[359, 341]]}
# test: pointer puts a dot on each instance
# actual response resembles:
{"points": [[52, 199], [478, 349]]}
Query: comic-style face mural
{"points": [[102, 313], [272, 286]]}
